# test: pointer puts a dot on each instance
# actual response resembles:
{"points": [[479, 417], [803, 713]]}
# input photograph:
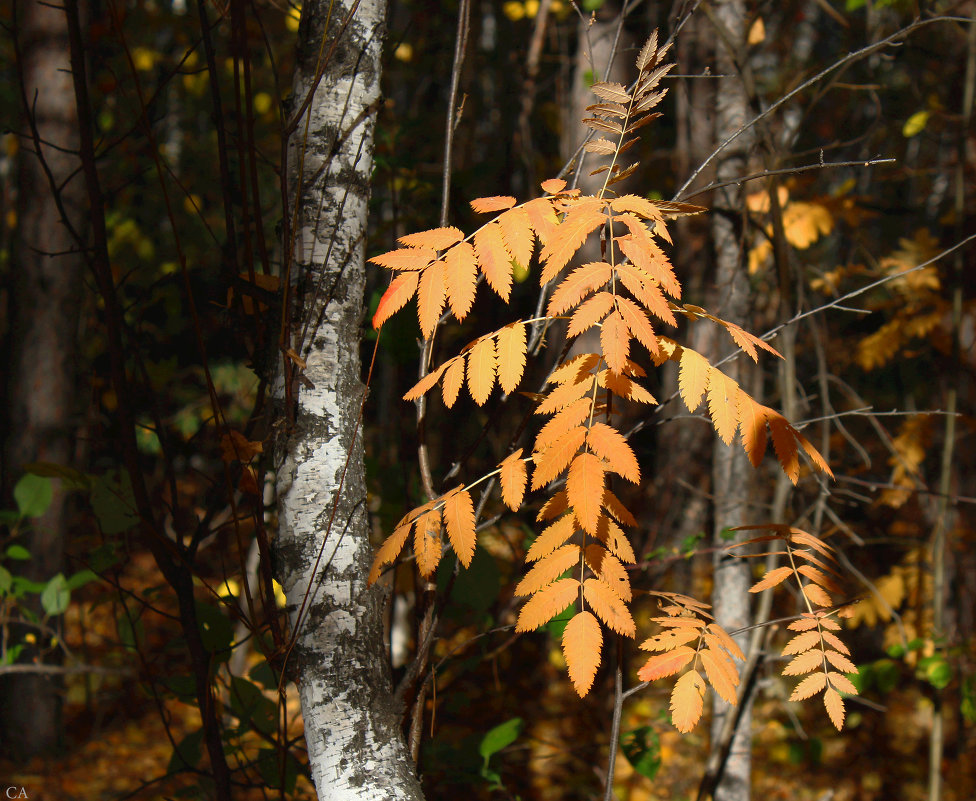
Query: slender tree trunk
{"points": [[355, 744], [731, 471], [40, 375]]}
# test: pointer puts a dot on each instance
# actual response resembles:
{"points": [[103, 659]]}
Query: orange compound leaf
{"points": [[481, 369], [671, 639], [564, 420], [721, 674], [486, 205], [584, 216], [553, 186], [554, 507], [460, 278], [577, 285], [804, 663], [752, 427], [389, 550], [611, 535], [841, 683], [453, 380], [841, 662], [517, 234], [425, 384], [626, 388], [639, 246], [723, 396], [832, 639], [772, 578], [584, 486], [397, 295], [617, 510], [687, 701], [803, 624], [615, 341], [430, 297], [513, 478], [835, 707], [817, 595], [638, 205], [646, 290], [610, 445], [590, 313], [427, 542], [819, 577], [608, 606], [802, 642], [582, 647], [811, 685], [435, 238], [557, 457], [784, 444], [813, 453], [667, 664], [546, 604], [411, 259], [493, 259], [459, 521], [551, 538], [610, 570], [511, 356], [725, 640], [575, 370], [565, 394], [640, 327], [693, 378], [548, 569], [542, 218]]}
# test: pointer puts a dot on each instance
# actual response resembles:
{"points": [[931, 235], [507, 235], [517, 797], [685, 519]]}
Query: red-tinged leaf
{"points": [[551, 538], [608, 606], [511, 356], [811, 685], [693, 378], [667, 664], [721, 674], [624, 387], [548, 569], [427, 542], [785, 445], [435, 238], [804, 663], [841, 683], [723, 404], [802, 642], [557, 457], [610, 570], [481, 370], [816, 594], [389, 550], [832, 639], [486, 205], [513, 478], [639, 246], [619, 512], [553, 186], [546, 604], [397, 295], [411, 259], [460, 278], [610, 445], [772, 578], [453, 380], [582, 647], [835, 708], [542, 218], [583, 217], [687, 701], [517, 234], [563, 395], [459, 522], [638, 205], [426, 383], [493, 259], [640, 327], [752, 426], [841, 662], [615, 342], [590, 313], [430, 297], [584, 486], [577, 285], [611, 535], [565, 419]]}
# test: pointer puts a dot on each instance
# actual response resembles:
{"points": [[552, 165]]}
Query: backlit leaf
{"points": [[577, 285], [582, 647], [460, 274], [427, 542], [551, 538], [835, 707], [804, 663], [687, 701], [591, 312], [453, 380], [608, 606], [615, 341], [513, 478], [811, 685], [752, 426], [584, 486], [610, 570], [610, 445], [430, 297], [493, 259], [511, 356], [553, 186], [723, 404], [459, 522], [667, 664], [693, 378], [436, 238], [548, 569], [411, 259], [721, 674], [389, 551], [397, 295], [546, 604], [772, 578], [569, 236], [486, 205], [481, 370], [802, 642], [557, 457], [517, 234]]}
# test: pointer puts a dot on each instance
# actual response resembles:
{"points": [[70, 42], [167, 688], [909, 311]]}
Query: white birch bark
{"points": [[353, 732]]}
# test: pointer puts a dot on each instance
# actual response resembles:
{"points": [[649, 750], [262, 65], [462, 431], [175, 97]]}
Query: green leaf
{"points": [[6, 580], [216, 630], [885, 674], [915, 124], [183, 687], [475, 588], [251, 707], [187, 753], [56, 595], [80, 579], [70, 478], [642, 748], [17, 552], [498, 738], [113, 503], [263, 674], [967, 703], [558, 624], [33, 495], [269, 768], [936, 671]]}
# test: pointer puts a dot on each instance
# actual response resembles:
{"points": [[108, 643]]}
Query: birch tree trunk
{"points": [[355, 745]]}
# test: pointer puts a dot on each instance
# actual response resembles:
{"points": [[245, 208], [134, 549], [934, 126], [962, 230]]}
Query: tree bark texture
{"points": [[731, 471], [355, 744], [40, 374]]}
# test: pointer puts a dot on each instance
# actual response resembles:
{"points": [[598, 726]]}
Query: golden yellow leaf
{"points": [[803, 624], [608, 606], [517, 234], [425, 384], [667, 664], [435, 238], [565, 394], [577, 285], [542, 218], [481, 370], [841, 662], [640, 247], [625, 387], [548, 569], [772, 578], [693, 377], [617, 509], [647, 291], [397, 295], [804, 663], [837, 642], [817, 595], [582, 218], [513, 478], [511, 356], [551, 538], [638, 205], [485, 205], [493, 259], [430, 297], [615, 342], [590, 313], [405, 259], [389, 550], [584, 486], [723, 404], [546, 604], [557, 457], [670, 639], [721, 674], [842, 683], [567, 418], [687, 701], [427, 542], [784, 443], [460, 524], [553, 507], [610, 445], [460, 278], [610, 570], [611, 535], [835, 707], [582, 646], [802, 642], [575, 370], [453, 380], [811, 685], [640, 327]]}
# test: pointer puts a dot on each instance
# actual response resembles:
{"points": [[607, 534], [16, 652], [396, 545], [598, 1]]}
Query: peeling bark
{"points": [[355, 744]]}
